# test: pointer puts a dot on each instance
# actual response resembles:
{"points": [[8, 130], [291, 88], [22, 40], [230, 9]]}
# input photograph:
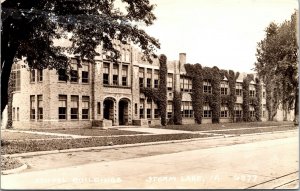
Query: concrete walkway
{"points": [[230, 167]]}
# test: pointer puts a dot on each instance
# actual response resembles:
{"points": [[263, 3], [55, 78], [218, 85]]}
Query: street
{"points": [[269, 163]]}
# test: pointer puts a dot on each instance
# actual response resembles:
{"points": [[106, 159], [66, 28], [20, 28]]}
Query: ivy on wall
{"points": [[257, 107], [159, 96], [195, 72], [177, 118], [246, 83], [231, 99]]}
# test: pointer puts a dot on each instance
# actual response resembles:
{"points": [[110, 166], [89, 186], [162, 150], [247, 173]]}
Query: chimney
{"points": [[182, 61]]}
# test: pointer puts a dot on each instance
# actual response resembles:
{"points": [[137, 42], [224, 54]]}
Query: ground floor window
{"points": [[251, 111], [85, 107], [142, 109], [40, 107], [206, 111], [32, 107], [62, 108], [74, 107], [169, 109], [224, 112], [187, 109], [238, 111]]}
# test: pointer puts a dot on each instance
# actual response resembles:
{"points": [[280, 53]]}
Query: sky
{"points": [[222, 33]]}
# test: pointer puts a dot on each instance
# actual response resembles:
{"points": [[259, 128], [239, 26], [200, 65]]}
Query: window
{"points": [[149, 78], [40, 107], [238, 111], [251, 91], [149, 108], [98, 108], [40, 75], [156, 82], [115, 74], [74, 71], [224, 88], [141, 77], [13, 113], [16, 77], [207, 86], [206, 111], [32, 107], [156, 111], [185, 84], [142, 109], [251, 111], [32, 75], [187, 109], [264, 110], [238, 89], [124, 75], [135, 109], [85, 73], [169, 109], [62, 108], [106, 73], [74, 107], [264, 94], [62, 75], [170, 82], [224, 111], [18, 117], [85, 107]]}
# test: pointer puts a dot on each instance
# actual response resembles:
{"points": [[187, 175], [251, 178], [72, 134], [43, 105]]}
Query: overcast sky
{"points": [[221, 33]]}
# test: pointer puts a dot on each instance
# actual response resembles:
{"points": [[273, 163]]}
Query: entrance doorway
{"points": [[123, 112], [108, 109]]}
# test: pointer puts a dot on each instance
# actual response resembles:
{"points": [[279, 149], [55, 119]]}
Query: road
{"points": [[260, 164]]}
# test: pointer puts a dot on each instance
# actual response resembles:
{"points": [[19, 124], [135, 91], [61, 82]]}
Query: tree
{"points": [[277, 65], [30, 28]]}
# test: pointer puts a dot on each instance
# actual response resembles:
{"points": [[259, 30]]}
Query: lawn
{"points": [[255, 130], [5, 135], [89, 132], [31, 145], [219, 126]]}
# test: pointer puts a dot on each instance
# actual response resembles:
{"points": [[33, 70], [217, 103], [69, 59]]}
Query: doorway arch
{"points": [[124, 111], [109, 109]]}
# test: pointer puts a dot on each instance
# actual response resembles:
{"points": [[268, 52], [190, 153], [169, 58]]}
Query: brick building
{"points": [[107, 93]]}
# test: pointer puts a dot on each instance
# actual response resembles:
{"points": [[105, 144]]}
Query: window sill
{"points": [[116, 86]]}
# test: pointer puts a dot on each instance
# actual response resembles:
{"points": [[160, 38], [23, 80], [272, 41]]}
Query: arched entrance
{"points": [[108, 109], [124, 111]]}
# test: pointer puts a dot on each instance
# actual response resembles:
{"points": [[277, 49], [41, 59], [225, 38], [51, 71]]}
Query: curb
{"points": [[15, 170], [37, 153]]}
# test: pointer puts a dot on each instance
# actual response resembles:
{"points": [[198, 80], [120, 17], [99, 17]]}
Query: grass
{"points": [[218, 126], [9, 163], [255, 130], [89, 132], [31, 145], [23, 136]]}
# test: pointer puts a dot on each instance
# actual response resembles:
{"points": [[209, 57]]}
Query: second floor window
{"points": [[170, 82], [74, 71], [141, 77], [16, 77], [224, 88], [62, 75], [32, 75], [106, 73], [85, 73], [124, 75], [149, 78], [39, 75], [238, 89], [156, 77], [207, 86], [115, 74]]}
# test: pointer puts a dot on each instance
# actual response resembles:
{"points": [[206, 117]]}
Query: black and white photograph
{"points": [[149, 94]]}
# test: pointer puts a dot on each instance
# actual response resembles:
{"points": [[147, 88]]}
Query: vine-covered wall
{"points": [[195, 72], [257, 107], [159, 96], [246, 97], [177, 118]]}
